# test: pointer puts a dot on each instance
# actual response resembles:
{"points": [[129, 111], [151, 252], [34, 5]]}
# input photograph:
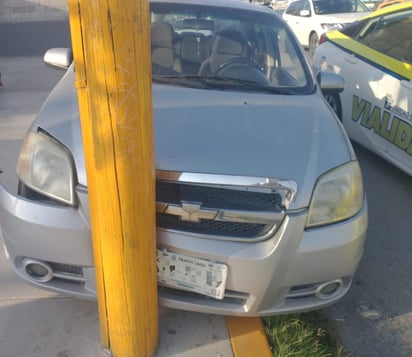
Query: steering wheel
{"points": [[242, 68]]}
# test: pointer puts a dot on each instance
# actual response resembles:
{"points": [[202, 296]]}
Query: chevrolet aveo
{"points": [[245, 142]]}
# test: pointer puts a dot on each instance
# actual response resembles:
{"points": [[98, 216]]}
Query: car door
{"points": [[362, 88], [398, 103], [366, 88], [399, 108]]}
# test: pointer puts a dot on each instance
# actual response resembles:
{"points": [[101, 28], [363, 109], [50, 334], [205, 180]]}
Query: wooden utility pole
{"points": [[111, 47]]}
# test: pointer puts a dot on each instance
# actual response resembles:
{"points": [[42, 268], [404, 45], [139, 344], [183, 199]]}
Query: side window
{"points": [[390, 35], [352, 30], [295, 7], [306, 6], [289, 71], [291, 9]]}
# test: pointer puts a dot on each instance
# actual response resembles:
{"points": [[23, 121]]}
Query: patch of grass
{"points": [[302, 335]]}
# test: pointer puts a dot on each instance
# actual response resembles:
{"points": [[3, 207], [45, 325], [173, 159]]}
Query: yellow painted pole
{"points": [[111, 47]]}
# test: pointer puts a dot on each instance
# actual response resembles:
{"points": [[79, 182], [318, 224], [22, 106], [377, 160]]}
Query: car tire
{"points": [[335, 103], [313, 43]]}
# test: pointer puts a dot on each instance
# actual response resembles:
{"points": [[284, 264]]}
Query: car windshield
{"points": [[219, 47], [324, 7]]}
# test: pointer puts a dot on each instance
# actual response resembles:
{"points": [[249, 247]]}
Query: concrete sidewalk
{"points": [[38, 323]]}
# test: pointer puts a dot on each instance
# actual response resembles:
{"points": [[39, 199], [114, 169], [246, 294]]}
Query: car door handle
{"points": [[351, 60]]}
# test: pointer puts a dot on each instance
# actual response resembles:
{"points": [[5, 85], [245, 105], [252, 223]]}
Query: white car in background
{"points": [[374, 55], [309, 19]]}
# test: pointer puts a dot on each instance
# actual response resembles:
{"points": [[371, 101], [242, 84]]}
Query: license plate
{"points": [[197, 275]]}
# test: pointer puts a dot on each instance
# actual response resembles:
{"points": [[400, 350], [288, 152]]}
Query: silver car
{"points": [[255, 174]]}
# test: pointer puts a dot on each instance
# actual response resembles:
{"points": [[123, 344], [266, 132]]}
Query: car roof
{"points": [[237, 4], [389, 9], [389, 2]]}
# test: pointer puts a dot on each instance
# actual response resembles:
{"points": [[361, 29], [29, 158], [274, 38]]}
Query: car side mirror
{"points": [[304, 13], [330, 82], [60, 58]]}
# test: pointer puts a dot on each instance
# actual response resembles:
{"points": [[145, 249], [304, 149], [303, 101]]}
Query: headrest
{"points": [[229, 42], [161, 34]]}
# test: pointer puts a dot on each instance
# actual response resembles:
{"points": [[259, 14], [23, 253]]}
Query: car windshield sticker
{"points": [[384, 123]]}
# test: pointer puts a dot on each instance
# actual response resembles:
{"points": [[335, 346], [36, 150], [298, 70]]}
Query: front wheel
{"points": [[333, 100]]}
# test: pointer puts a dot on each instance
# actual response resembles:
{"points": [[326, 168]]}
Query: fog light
{"points": [[37, 270], [329, 289]]}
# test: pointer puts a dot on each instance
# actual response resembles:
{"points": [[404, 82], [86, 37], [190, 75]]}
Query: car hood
{"points": [[341, 18], [223, 132]]}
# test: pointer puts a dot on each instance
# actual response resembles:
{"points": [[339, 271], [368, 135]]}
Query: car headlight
{"points": [[328, 27], [47, 167], [338, 195]]}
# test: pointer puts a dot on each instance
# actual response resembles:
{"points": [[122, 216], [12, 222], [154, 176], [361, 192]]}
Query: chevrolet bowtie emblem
{"points": [[191, 212]]}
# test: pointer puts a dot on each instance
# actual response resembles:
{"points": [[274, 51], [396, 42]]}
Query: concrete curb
{"points": [[248, 337]]}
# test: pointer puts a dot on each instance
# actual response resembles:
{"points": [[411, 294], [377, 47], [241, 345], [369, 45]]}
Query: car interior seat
{"points": [[194, 49], [227, 44], [162, 44]]}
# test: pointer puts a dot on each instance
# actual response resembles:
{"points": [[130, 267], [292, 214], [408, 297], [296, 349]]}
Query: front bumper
{"points": [[283, 274]]}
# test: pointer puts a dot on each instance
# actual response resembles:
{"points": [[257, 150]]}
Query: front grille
{"points": [[220, 207], [212, 227], [217, 197]]}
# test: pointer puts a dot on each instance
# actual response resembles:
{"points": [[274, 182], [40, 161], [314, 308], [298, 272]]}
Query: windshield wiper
{"points": [[220, 82], [246, 84], [185, 80]]}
